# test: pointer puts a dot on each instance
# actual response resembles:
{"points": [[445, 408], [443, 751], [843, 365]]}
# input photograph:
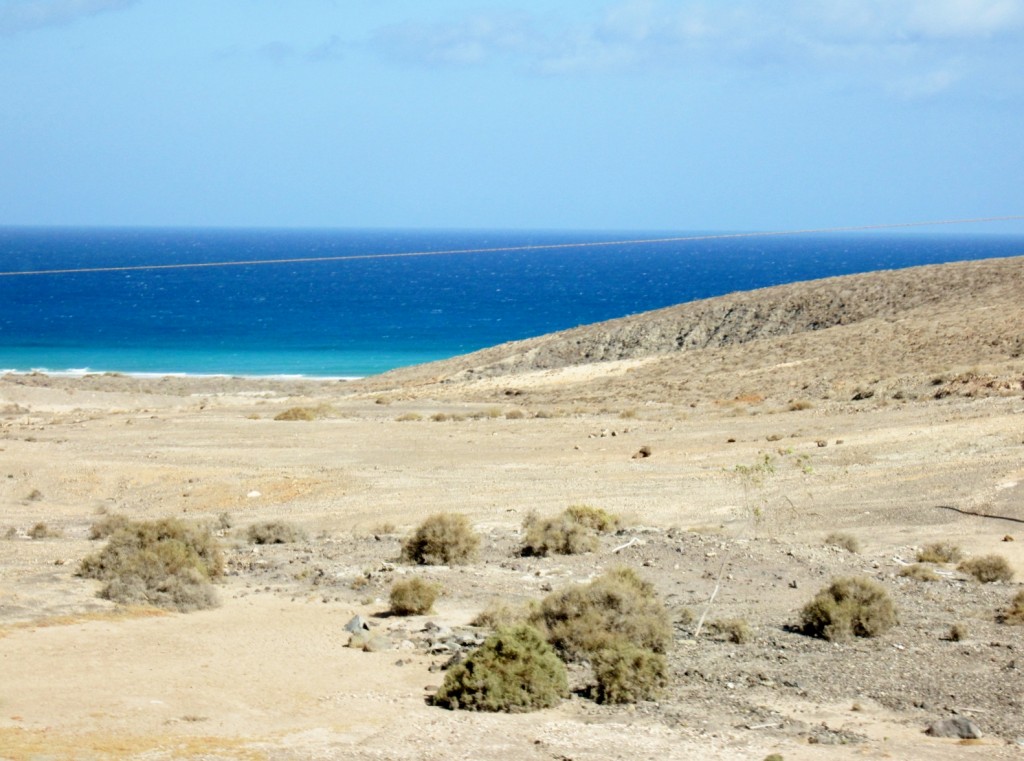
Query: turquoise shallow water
{"points": [[358, 317]]}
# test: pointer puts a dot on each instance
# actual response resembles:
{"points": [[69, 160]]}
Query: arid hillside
{"points": [[897, 332]]}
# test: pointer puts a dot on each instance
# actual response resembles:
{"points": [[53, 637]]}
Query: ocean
{"points": [[364, 316]]}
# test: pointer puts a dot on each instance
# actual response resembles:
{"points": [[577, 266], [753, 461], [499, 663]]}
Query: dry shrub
{"points": [[515, 415], [846, 542], [274, 532], [409, 417], [499, 613], [413, 597], [42, 531], [618, 605], [625, 673], [594, 518], [515, 670], [957, 633], [297, 413], [919, 572], [109, 524], [167, 563], [939, 552], [987, 568], [734, 630], [442, 539], [571, 533], [1015, 613], [557, 536], [848, 607]]}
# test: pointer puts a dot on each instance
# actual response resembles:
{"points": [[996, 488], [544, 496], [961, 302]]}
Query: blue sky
{"points": [[624, 115]]}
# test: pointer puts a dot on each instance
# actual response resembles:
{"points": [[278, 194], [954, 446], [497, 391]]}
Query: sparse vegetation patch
{"points": [[274, 532], [939, 552], [844, 541], [167, 563]]}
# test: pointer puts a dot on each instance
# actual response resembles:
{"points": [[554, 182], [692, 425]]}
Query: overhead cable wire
{"points": [[505, 249]]}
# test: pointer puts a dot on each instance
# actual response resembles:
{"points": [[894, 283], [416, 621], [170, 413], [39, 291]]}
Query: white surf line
{"points": [[505, 249]]}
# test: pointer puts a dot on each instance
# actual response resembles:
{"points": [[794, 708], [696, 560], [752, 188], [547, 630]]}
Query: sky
{"points": [[733, 115]]}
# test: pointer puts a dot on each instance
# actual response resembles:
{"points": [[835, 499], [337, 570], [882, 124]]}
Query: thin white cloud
{"points": [[881, 43], [26, 15]]}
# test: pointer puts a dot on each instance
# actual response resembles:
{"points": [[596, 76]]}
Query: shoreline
{"points": [[90, 373]]}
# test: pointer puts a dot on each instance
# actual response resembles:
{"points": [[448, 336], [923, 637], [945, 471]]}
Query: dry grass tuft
{"points": [[574, 532], [854, 606], [109, 524], [42, 531], [442, 539], [1014, 614], [734, 630], [297, 413]]}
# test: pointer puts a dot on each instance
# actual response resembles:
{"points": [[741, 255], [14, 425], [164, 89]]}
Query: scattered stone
{"points": [[641, 453], [377, 643], [955, 726], [1007, 538]]}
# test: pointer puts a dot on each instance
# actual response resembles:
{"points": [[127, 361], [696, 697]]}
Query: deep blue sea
{"points": [[364, 316]]}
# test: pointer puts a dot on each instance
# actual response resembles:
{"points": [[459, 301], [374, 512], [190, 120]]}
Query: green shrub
{"points": [[442, 539], [987, 568], [297, 413], [108, 525], [167, 563], [515, 670], [625, 673], [846, 542], [919, 572], [849, 607], [939, 552], [413, 597], [274, 532], [584, 618]]}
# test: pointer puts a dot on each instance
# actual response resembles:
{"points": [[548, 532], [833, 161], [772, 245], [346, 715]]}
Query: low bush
{"points": [[987, 568], [108, 525], [42, 531], [413, 597], [848, 607], [574, 532], [499, 613], [167, 563], [594, 518], [846, 542], [625, 673], [557, 536], [515, 670], [297, 413], [734, 630], [584, 618], [1015, 612], [939, 552], [274, 532], [442, 539], [957, 633], [919, 572]]}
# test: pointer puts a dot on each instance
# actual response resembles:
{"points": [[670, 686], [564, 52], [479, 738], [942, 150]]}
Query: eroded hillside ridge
{"points": [[743, 317]]}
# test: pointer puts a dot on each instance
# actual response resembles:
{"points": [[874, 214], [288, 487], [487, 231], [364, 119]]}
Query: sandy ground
{"points": [[267, 674]]}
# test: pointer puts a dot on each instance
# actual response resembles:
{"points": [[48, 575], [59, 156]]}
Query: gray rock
{"points": [[956, 726], [378, 643]]}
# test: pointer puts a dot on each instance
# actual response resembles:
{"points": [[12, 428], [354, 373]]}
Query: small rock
{"points": [[642, 453], [378, 643], [955, 726]]}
